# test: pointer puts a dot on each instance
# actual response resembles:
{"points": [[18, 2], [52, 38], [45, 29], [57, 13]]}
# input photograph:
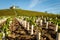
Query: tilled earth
{"points": [[18, 32]]}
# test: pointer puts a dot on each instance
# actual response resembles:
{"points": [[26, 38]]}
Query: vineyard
{"points": [[21, 12], [29, 28]]}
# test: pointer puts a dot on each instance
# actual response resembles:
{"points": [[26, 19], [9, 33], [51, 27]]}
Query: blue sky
{"points": [[52, 6]]}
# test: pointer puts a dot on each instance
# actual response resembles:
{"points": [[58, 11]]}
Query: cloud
{"points": [[33, 3], [53, 7]]}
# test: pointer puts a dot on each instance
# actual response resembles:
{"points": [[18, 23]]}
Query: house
{"points": [[13, 7]]}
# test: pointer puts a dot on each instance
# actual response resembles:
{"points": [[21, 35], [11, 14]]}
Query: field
{"points": [[18, 24], [20, 12]]}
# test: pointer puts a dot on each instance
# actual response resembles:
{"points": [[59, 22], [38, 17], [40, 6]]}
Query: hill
{"points": [[13, 12]]}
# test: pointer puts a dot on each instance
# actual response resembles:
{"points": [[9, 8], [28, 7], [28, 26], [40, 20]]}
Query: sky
{"points": [[51, 6]]}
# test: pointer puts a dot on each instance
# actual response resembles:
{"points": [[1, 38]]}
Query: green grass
{"points": [[20, 12]]}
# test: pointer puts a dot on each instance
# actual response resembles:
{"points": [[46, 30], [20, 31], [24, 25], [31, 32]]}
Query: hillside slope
{"points": [[12, 12]]}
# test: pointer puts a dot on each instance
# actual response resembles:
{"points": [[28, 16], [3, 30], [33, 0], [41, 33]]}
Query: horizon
{"points": [[33, 5]]}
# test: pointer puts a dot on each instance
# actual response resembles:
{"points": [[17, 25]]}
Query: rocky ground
{"points": [[18, 32]]}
